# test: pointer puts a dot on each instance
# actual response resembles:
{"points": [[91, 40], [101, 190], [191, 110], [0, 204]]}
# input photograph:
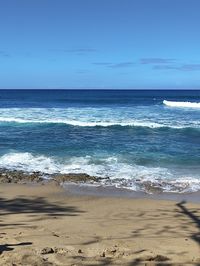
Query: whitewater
{"points": [[129, 139], [97, 116], [111, 170], [182, 104]]}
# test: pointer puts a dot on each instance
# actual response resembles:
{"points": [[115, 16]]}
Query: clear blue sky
{"points": [[100, 44]]}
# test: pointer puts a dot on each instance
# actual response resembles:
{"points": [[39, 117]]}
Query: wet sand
{"points": [[43, 224]]}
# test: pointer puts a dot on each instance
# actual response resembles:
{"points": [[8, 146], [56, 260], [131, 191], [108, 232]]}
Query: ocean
{"points": [[132, 139]]}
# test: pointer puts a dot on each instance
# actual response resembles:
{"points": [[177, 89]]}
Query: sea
{"points": [[132, 139]]}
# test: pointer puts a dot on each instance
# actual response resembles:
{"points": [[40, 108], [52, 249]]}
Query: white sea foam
{"points": [[100, 117], [182, 104], [29, 163], [120, 174], [85, 123], [136, 123]]}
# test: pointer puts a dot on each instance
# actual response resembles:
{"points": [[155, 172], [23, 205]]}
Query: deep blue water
{"points": [[129, 136]]}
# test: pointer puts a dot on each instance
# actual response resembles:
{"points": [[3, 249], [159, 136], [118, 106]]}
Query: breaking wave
{"points": [[135, 123], [111, 170], [90, 124], [149, 117], [182, 104]]}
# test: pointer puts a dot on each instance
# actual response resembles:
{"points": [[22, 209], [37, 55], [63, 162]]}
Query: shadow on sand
{"points": [[35, 208], [182, 221], [9, 247], [194, 218], [35, 205]]}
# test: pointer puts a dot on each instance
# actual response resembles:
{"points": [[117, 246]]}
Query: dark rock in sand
{"points": [[14, 176], [61, 178]]}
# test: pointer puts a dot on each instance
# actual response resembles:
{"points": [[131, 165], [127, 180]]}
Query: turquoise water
{"points": [[132, 137]]}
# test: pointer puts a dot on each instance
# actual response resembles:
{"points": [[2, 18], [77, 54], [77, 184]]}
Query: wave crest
{"points": [[84, 123], [182, 104], [131, 116], [136, 123]]}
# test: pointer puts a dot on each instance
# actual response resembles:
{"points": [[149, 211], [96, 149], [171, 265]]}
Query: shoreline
{"points": [[85, 185], [113, 192], [45, 224]]}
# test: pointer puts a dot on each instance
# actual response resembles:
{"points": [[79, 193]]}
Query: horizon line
{"points": [[103, 89]]}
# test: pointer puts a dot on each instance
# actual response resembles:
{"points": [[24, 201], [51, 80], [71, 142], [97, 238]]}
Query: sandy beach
{"points": [[42, 224]]}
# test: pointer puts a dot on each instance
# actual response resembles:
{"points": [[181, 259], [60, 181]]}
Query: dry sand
{"points": [[43, 225]]}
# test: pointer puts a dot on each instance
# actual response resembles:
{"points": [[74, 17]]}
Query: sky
{"points": [[99, 44]]}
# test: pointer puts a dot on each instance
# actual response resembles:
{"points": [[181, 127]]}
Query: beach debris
{"points": [[103, 254], [60, 250], [46, 250], [109, 252], [54, 234]]}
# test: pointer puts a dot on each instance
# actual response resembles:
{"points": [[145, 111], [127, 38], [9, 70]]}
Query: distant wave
{"points": [[145, 117], [121, 174], [182, 104], [136, 123], [84, 123]]}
